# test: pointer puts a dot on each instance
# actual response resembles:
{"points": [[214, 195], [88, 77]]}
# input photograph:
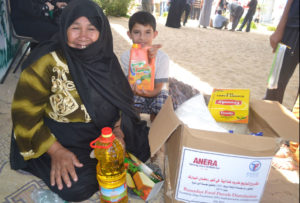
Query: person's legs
{"points": [[235, 21], [197, 13], [142, 104], [225, 23], [157, 103], [289, 64], [237, 18], [187, 13], [249, 24], [162, 8], [244, 22]]}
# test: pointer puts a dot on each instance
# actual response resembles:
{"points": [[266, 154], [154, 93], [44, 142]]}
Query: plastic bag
{"points": [[276, 66], [45, 196], [195, 114]]}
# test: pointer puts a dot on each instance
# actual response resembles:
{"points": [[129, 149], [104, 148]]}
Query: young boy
{"points": [[142, 30]]}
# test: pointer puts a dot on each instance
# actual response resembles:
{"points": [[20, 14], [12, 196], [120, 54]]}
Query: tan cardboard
{"points": [[280, 119], [264, 116]]}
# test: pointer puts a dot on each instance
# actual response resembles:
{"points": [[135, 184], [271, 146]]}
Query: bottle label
{"points": [[113, 195]]}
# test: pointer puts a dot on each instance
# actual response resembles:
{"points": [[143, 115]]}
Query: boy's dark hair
{"points": [[219, 12], [143, 18]]}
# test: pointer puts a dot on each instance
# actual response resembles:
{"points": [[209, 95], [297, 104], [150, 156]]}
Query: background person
{"points": [[205, 13], [163, 7], [287, 32], [35, 18], [220, 21], [249, 16], [147, 5], [236, 11], [175, 11], [195, 13], [187, 10], [70, 88]]}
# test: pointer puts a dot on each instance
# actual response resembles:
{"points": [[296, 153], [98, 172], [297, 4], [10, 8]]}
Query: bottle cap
{"points": [[136, 46], [106, 132]]}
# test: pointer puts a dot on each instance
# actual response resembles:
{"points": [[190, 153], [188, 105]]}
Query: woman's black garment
{"points": [[73, 136], [175, 12], [99, 79]]}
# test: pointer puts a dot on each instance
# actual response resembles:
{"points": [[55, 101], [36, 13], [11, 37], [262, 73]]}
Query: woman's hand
{"points": [[62, 165], [117, 131]]}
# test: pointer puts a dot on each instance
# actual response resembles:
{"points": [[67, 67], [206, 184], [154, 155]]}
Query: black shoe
{"points": [[239, 30]]}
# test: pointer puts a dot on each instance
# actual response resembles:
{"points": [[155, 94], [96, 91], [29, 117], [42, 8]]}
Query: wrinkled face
{"points": [[142, 34], [81, 33]]}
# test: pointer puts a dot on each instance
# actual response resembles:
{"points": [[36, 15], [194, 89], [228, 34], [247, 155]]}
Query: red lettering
{"points": [[206, 162]]}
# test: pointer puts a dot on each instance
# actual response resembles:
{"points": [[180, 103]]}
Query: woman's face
{"points": [[81, 33]]}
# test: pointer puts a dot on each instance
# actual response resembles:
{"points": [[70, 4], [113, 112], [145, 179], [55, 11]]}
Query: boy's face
{"points": [[142, 34]]}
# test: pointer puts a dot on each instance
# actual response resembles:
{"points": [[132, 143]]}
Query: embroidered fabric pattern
{"points": [[62, 102], [86, 114]]}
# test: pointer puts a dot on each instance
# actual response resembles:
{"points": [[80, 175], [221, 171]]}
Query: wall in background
{"points": [[8, 45]]}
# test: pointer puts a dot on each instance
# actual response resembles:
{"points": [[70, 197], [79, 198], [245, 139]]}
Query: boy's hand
{"points": [[152, 51], [140, 92]]}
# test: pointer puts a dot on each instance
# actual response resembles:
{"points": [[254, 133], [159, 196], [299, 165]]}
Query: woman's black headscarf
{"points": [[96, 72]]}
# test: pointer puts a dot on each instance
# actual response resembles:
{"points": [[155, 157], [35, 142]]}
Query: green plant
{"points": [[271, 28], [114, 7]]}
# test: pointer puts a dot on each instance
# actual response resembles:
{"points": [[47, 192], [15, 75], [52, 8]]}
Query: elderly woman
{"points": [[70, 88]]}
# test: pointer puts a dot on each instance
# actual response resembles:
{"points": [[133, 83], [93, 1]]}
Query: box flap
{"points": [[245, 145], [280, 119], [164, 124]]}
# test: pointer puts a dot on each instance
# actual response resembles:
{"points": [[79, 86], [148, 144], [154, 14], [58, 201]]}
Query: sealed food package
{"points": [[141, 70], [230, 105], [276, 66]]}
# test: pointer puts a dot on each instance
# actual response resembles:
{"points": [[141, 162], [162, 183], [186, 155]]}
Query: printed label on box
{"points": [[216, 177]]}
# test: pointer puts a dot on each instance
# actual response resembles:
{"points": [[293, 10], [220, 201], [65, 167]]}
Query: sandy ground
{"points": [[204, 58], [217, 58]]}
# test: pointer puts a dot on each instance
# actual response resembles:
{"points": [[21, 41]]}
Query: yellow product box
{"points": [[230, 105]]}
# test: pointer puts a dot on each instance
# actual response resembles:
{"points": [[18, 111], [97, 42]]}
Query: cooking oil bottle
{"points": [[111, 173]]}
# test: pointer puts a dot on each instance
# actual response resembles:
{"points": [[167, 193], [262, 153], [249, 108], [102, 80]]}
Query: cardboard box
{"points": [[204, 166], [230, 105]]}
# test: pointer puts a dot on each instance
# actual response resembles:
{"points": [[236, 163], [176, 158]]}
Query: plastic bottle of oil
{"points": [[111, 173]]}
